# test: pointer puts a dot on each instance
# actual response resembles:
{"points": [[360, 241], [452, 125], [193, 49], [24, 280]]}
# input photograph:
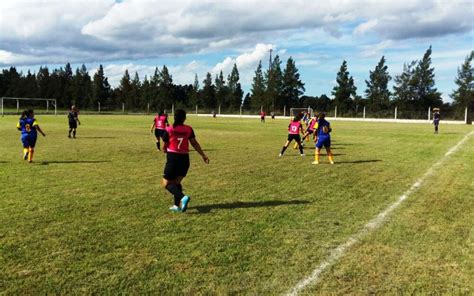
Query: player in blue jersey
{"points": [[324, 139], [29, 128]]}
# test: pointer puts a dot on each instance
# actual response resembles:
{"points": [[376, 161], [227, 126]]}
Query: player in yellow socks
{"points": [[324, 139], [29, 132]]}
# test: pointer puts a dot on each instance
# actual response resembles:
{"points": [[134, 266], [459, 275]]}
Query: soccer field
{"points": [[89, 215]]}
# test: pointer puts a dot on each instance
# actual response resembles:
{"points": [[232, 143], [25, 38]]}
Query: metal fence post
{"points": [[17, 106], [196, 109], [429, 113], [99, 107], [172, 109], [335, 112], [364, 112], [284, 111], [396, 110], [123, 107], [219, 109], [465, 114]]}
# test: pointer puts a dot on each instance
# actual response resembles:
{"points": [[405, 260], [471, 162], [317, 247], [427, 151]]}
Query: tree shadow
{"points": [[204, 209], [73, 161], [358, 161], [3, 161]]}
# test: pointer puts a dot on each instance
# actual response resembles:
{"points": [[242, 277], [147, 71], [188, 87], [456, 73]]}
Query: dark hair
{"points": [[179, 117], [30, 113], [160, 112], [322, 115], [296, 118]]}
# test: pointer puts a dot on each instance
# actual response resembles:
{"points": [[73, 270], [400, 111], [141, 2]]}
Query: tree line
{"points": [[272, 89]]}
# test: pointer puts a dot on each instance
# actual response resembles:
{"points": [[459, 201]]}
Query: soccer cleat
{"points": [[331, 161], [184, 203], [175, 208], [25, 156], [303, 154], [280, 155], [315, 162]]}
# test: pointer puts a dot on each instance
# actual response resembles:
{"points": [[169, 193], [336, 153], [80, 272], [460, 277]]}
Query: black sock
{"points": [[74, 133], [301, 148], [70, 130], [283, 149], [158, 145], [177, 191]]}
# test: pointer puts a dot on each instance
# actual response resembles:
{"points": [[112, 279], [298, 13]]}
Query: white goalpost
{"points": [[49, 102], [296, 111]]}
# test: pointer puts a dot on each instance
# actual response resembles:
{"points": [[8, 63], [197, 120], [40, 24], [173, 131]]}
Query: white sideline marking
{"points": [[373, 224]]}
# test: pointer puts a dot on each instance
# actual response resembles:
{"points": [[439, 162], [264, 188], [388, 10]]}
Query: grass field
{"points": [[89, 216]]}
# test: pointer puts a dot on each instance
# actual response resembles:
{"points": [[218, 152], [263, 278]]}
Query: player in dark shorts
{"points": [[160, 122], [262, 116], [29, 128], [324, 139], [73, 118], [177, 138], [436, 119], [294, 130]]}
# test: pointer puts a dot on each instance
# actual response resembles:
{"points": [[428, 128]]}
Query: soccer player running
{"points": [[311, 127], [73, 117], [324, 139], [294, 130], [29, 128], [177, 138], [436, 119], [160, 122]]}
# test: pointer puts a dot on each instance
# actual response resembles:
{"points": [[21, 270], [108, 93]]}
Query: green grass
{"points": [[89, 216]]}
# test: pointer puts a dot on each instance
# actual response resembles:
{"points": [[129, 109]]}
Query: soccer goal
{"points": [[14, 105], [297, 111]]}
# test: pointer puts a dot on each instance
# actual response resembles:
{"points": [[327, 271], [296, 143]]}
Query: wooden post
{"points": [[396, 110], [465, 115], [17, 106], [240, 111], [429, 113], [148, 108], [172, 109], [47, 106], [284, 111], [123, 107], [99, 107], [219, 109], [364, 112], [335, 112], [196, 109]]}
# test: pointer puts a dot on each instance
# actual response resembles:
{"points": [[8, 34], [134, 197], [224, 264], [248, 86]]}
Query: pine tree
{"points": [[195, 92], [208, 92], [30, 85], [101, 91], [43, 79], [166, 95], [67, 87], [134, 102], [292, 86], [221, 91], [378, 95], [404, 91], [345, 90], [463, 96], [424, 79], [235, 89], [258, 88], [125, 90], [274, 82]]}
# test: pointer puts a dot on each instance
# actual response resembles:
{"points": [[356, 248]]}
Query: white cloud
{"points": [[246, 60]]}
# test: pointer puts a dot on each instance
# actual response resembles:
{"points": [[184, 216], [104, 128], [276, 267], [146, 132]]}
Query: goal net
{"points": [[17, 105], [302, 112]]}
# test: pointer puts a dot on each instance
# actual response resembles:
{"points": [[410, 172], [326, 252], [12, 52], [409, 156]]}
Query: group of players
{"points": [[318, 127]]}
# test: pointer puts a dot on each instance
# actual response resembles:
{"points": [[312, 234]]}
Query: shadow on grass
{"points": [[73, 161], [96, 137], [204, 209], [358, 161]]}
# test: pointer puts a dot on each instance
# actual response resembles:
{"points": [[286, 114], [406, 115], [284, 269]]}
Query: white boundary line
{"points": [[373, 224]]}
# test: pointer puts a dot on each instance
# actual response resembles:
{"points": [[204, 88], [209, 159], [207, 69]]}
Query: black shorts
{"points": [[72, 124], [177, 165], [310, 131], [159, 133], [294, 137]]}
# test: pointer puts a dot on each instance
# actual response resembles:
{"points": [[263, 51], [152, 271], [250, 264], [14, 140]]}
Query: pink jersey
{"points": [[178, 138], [160, 121], [294, 128], [312, 124]]}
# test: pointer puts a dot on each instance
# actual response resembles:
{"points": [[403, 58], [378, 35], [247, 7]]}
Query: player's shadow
{"points": [[72, 161], [358, 161], [92, 137], [204, 209]]}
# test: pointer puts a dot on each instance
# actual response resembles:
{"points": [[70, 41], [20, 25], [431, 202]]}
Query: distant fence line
{"points": [[393, 115]]}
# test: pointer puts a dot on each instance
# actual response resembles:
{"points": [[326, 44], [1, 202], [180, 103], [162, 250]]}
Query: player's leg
{"points": [[70, 131], [74, 132], [183, 171], [157, 138], [298, 141], [24, 141], [330, 156], [284, 147]]}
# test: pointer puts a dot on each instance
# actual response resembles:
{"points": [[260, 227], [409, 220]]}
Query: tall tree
{"points": [[208, 92], [235, 89], [82, 87], [166, 89], [463, 96], [378, 95], [345, 90], [194, 95], [125, 90], [101, 91], [426, 93], [30, 85], [221, 90], [404, 91], [274, 81], [292, 86], [257, 97], [43, 79], [67, 86], [135, 90]]}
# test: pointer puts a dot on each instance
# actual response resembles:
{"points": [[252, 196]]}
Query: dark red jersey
{"points": [[294, 128], [160, 121], [177, 138]]}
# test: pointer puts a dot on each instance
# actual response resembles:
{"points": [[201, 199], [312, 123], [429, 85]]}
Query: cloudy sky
{"points": [[196, 37]]}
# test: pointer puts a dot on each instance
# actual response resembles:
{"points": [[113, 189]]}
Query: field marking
{"points": [[373, 224]]}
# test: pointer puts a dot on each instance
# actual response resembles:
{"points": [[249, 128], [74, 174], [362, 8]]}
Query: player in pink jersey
{"points": [[312, 126], [294, 130], [160, 122], [177, 138]]}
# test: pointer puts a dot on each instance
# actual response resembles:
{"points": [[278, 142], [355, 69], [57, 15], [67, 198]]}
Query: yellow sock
{"points": [[295, 146], [25, 150], [316, 156], [30, 155], [307, 139], [331, 158]]}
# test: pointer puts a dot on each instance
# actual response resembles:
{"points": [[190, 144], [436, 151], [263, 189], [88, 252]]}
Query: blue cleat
{"points": [[184, 203]]}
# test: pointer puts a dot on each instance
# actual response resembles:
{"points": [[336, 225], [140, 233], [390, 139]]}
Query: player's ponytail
{"points": [[179, 117]]}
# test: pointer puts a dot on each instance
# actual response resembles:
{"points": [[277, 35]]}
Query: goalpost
{"points": [[36, 100], [296, 111]]}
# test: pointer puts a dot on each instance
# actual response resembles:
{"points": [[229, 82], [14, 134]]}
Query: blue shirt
{"points": [[27, 126], [321, 124]]}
